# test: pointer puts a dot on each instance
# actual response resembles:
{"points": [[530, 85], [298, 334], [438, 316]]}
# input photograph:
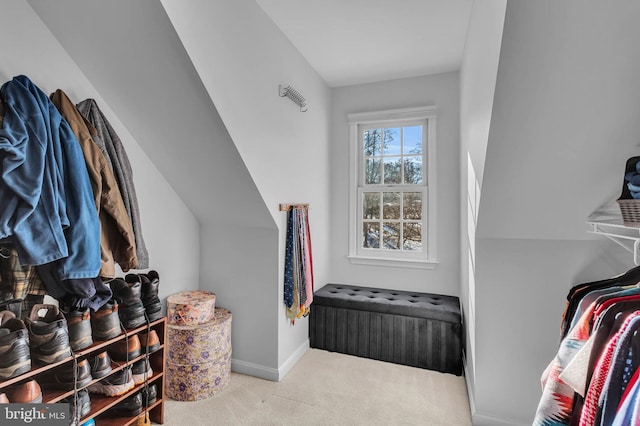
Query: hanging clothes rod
{"points": [[287, 207], [294, 95]]}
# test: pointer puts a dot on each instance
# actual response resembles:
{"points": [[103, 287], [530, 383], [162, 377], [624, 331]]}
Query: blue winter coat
{"points": [[46, 200]]}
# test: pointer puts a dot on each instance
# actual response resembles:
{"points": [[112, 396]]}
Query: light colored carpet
{"points": [[326, 388]]}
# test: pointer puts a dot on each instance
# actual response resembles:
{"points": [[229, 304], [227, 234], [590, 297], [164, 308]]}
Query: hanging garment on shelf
{"points": [[596, 386], [556, 403], [629, 406], [589, 298], [113, 150], [559, 400], [48, 210], [608, 318], [117, 241], [626, 360], [586, 382], [576, 293]]}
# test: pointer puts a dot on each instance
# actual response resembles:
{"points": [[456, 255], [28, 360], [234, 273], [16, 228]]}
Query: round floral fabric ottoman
{"points": [[199, 358]]}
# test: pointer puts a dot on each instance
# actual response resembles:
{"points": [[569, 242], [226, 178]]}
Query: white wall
{"points": [[565, 119], [442, 91], [170, 230], [477, 87], [242, 58]]}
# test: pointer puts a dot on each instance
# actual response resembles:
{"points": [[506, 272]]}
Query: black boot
{"points": [[150, 300], [127, 293]]}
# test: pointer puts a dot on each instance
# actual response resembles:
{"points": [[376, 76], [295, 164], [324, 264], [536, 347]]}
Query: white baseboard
{"points": [[484, 420], [478, 419], [255, 370], [268, 373], [470, 389], [293, 359]]}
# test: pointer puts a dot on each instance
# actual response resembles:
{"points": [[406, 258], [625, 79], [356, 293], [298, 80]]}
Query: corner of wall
{"points": [[268, 373]]}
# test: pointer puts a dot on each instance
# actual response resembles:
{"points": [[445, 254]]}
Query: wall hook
{"points": [[294, 95]]}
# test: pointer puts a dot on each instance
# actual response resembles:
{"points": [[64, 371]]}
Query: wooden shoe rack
{"points": [[101, 404]]}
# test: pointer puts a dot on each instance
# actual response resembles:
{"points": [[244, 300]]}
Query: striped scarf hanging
{"points": [[298, 266]]}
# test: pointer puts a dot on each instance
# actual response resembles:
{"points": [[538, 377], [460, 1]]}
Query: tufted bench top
{"points": [[408, 303]]}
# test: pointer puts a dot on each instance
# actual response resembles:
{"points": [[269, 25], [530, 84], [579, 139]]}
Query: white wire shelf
{"points": [[625, 236]]}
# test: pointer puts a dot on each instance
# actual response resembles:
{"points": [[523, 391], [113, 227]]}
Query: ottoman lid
{"points": [[191, 307], [399, 302]]}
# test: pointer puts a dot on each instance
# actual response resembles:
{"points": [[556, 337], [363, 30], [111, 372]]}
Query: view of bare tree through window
{"points": [[392, 217]]}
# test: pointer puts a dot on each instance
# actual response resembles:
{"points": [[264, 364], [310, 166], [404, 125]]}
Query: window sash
{"points": [[381, 156], [399, 253]]}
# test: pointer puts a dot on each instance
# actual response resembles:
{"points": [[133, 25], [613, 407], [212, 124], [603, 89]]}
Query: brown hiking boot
{"points": [[105, 323], [79, 324]]}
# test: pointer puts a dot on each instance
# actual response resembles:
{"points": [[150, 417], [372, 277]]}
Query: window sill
{"points": [[397, 263]]}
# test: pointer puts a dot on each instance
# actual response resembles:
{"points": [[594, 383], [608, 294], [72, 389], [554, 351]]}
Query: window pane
{"points": [[412, 205], [371, 142], [391, 235], [392, 170], [391, 144], [391, 205], [412, 140], [412, 237], [371, 205], [371, 171], [412, 169], [371, 235]]}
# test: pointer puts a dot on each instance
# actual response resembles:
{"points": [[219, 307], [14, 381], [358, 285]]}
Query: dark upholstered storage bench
{"points": [[417, 329]]}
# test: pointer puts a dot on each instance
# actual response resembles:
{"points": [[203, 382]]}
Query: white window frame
{"points": [[427, 258]]}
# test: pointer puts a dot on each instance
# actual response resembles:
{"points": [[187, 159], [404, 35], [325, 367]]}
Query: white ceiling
{"points": [[362, 41]]}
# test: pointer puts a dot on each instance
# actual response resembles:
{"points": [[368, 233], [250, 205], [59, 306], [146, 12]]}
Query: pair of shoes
{"points": [[100, 365], [28, 392], [105, 322], [82, 404], [79, 324], [62, 378], [130, 407], [116, 384], [141, 371], [15, 358], [48, 334], [127, 292], [152, 305]]}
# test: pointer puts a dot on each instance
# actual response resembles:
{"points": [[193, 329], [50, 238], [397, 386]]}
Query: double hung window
{"points": [[393, 187]]}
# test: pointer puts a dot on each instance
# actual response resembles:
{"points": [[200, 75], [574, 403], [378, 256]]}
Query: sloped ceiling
{"points": [[363, 41], [132, 55]]}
